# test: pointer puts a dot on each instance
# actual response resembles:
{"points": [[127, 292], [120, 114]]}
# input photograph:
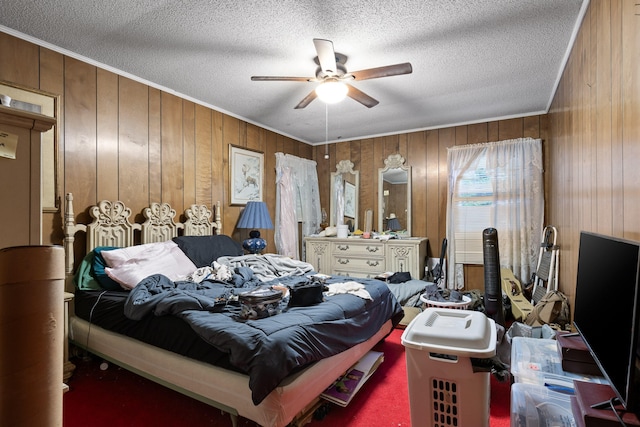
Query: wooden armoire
{"points": [[21, 178]]}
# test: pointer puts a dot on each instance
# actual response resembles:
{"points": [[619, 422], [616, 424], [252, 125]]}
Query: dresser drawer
{"points": [[366, 257], [357, 264], [366, 249], [360, 274]]}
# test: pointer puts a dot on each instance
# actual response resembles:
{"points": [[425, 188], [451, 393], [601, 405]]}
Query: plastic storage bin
{"points": [[443, 389], [535, 405], [538, 361]]}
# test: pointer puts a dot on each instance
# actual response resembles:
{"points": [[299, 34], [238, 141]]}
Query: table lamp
{"points": [[255, 215], [393, 223]]}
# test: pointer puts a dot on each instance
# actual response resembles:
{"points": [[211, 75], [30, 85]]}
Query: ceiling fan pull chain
{"points": [[326, 131]]}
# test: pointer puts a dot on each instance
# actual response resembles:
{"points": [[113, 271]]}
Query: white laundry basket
{"points": [[458, 305], [443, 389]]}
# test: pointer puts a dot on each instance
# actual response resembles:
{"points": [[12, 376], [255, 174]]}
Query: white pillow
{"points": [[128, 266]]}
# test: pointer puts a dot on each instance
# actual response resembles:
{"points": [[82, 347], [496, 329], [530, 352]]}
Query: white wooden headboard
{"points": [[111, 226]]}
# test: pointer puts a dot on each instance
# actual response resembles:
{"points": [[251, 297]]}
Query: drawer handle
{"points": [[343, 247], [373, 263], [343, 261], [373, 249]]}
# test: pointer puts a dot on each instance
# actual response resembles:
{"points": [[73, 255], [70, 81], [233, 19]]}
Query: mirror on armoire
{"points": [[345, 190], [394, 196]]}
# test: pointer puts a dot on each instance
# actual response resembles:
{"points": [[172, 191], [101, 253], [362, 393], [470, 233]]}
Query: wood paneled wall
{"points": [[426, 153], [594, 129], [121, 139], [124, 140]]}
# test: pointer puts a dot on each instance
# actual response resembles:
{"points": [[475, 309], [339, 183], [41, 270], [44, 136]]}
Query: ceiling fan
{"points": [[332, 73]]}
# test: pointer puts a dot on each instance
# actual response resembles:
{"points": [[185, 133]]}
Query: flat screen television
{"points": [[606, 311]]}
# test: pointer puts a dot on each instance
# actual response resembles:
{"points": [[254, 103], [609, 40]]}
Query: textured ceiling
{"points": [[473, 60]]}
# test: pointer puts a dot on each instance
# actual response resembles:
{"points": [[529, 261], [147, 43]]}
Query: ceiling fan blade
{"points": [[389, 70], [307, 100], [282, 78], [361, 97], [326, 56]]}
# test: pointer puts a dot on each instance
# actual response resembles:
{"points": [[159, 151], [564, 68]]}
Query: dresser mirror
{"points": [[394, 196], [345, 192]]}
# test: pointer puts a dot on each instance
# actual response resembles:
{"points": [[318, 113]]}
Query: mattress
{"points": [[106, 309], [219, 387], [268, 350]]}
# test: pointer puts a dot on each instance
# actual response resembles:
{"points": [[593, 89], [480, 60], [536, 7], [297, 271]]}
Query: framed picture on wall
{"points": [[246, 173], [349, 200]]}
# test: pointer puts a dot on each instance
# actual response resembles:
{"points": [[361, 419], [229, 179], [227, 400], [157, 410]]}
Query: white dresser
{"points": [[366, 257]]}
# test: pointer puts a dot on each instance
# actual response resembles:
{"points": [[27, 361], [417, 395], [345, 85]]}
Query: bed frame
{"points": [[291, 403], [111, 226]]}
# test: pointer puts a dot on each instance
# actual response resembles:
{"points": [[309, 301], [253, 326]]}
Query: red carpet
{"points": [[116, 397]]}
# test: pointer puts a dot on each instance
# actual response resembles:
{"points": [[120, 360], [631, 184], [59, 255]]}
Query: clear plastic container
{"points": [[538, 361], [535, 405]]}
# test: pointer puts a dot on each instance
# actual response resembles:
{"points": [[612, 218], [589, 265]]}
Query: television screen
{"points": [[605, 309]]}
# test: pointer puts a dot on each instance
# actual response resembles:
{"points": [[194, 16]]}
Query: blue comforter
{"points": [[268, 349]]}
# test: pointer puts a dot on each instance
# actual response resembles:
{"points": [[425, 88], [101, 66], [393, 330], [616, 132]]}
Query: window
{"points": [[473, 212], [497, 185]]}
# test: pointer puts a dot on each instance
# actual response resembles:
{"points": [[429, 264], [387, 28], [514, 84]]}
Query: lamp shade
{"points": [[393, 224], [255, 215]]}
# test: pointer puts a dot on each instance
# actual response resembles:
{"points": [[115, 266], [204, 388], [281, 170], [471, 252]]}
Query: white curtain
{"points": [[499, 185], [297, 200]]}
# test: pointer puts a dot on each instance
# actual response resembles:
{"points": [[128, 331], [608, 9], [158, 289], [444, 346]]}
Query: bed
{"points": [[208, 362]]}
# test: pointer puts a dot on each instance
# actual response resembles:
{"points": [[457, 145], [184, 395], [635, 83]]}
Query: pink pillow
{"points": [[128, 266]]}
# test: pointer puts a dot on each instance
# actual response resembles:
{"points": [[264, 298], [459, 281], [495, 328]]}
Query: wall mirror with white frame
{"points": [[394, 196], [345, 192]]}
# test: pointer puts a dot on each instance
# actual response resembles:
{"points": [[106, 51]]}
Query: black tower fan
{"points": [[492, 288]]}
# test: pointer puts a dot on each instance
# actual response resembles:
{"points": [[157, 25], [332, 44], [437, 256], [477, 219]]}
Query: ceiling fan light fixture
{"points": [[332, 91]]}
